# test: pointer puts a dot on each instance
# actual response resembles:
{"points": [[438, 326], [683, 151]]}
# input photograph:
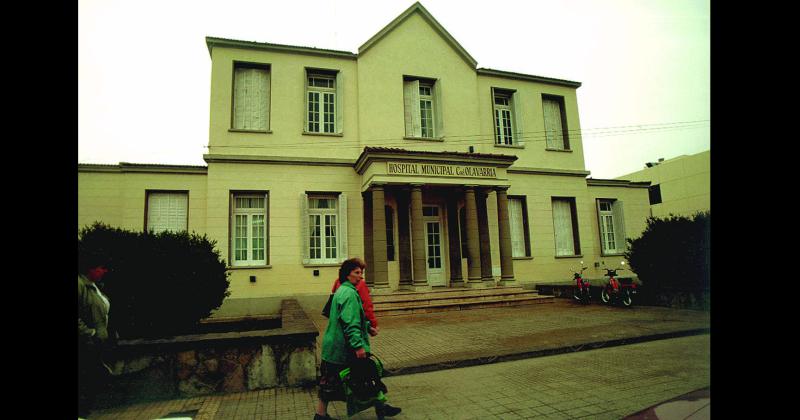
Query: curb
{"points": [[541, 353]]}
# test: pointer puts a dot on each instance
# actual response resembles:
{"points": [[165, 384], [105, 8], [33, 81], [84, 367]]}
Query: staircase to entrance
{"points": [[454, 299]]}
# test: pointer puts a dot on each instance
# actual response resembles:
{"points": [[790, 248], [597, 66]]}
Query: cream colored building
{"points": [[679, 186], [439, 173]]}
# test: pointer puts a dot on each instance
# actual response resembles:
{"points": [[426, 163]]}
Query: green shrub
{"points": [[672, 255], [159, 284]]}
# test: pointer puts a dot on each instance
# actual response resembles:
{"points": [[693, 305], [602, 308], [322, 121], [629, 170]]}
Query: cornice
{"points": [[528, 77], [549, 171], [126, 167], [591, 182], [371, 154], [212, 42], [278, 160]]}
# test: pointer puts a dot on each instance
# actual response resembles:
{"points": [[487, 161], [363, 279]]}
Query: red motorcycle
{"points": [[581, 290], [617, 291]]}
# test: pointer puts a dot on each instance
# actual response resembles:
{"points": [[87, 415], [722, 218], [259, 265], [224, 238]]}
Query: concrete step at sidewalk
{"points": [[501, 301], [402, 296], [471, 298]]}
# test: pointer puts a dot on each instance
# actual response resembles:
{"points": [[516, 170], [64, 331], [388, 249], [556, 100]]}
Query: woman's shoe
{"points": [[386, 410]]}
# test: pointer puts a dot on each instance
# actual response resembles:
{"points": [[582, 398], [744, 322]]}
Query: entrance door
{"points": [[433, 245]]}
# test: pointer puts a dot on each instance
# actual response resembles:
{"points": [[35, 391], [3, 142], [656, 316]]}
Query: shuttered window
{"points": [[325, 219], [251, 98], [612, 226], [422, 108], [321, 102], [555, 124], [565, 227], [167, 211], [517, 215]]}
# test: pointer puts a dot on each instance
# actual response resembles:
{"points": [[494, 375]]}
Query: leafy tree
{"points": [[673, 254], [159, 284]]}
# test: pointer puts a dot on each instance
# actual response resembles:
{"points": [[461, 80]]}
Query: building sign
{"points": [[436, 169]]}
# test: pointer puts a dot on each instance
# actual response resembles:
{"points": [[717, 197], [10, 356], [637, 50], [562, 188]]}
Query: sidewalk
{"points": [[435, 341]]}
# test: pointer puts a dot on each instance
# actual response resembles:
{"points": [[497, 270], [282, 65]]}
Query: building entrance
{"points": [[433, 246]]}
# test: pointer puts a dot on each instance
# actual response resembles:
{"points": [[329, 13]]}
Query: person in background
{"points": [[93, 335], [346, 337]]}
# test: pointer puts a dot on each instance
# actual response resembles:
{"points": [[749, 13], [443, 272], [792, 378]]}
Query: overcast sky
{"points": [[144, 70]]}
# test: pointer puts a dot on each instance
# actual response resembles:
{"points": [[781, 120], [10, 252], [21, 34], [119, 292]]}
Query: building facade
{"points": [[679, 186], [440, 174]]}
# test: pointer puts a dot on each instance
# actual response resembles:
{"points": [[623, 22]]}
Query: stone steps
{"points": [[407, 303]]}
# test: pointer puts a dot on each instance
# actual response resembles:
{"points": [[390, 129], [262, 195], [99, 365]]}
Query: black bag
{"points": [[326, 311]]}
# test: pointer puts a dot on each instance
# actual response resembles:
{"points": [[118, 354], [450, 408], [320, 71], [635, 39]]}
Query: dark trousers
{"points": [[92, 375]]}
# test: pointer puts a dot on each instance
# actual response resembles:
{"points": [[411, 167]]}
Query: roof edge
{"points": [[528, 77], [265, 46]]}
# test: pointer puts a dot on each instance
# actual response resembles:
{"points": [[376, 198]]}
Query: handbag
{"points": [[326, 310], [362, 384]]}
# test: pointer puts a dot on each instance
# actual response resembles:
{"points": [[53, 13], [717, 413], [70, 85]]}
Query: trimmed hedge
{"points": [[672, 257], [159, 284]]}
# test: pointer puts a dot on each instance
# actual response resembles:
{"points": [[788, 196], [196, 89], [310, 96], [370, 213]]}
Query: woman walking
{"points": [[346, 337]]}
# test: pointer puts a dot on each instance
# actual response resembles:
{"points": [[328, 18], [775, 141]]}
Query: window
{"points": [[612, 226], [325, 219], [250, 97], [654, 191], [389, 233], [322, 101], [167, 211], [422, 107], [249, 229], [518, 219], [502, 119], [565, 226], [555, 122]]}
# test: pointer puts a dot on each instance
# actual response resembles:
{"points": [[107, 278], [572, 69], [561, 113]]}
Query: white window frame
{"points": [[249, 230], [503, 119], [422, 106], [250, 82], [554, 114], [321, 89], [167, 210], [612, 226], [328, 243]]}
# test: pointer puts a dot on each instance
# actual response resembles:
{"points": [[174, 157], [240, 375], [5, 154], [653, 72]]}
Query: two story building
{"points": [[439, 173]]}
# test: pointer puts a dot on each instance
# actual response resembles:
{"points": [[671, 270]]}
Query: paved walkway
{"points": [[602, 381]]}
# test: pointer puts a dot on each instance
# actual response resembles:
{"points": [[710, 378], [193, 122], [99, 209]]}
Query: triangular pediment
{"points": [[417, 8]]}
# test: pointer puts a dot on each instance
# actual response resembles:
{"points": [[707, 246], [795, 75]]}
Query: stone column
{"points": [[504, 225], [380, 267], [474, 256], [404, 239], [418, 239], [369, 273], [485, 240], [456, 278]]}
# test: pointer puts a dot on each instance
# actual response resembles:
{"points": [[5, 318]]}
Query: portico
{"points": [[424, 212]]}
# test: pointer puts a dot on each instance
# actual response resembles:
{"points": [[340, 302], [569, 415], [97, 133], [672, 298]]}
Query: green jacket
{"points": [[92, 313], [348, 328]]}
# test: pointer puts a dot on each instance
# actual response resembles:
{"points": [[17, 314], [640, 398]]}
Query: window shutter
{"points": [[562, 223], [619, 226], [264, 100], [552, 124], [437, 109], [342, 227], [516, 119], [600, 227], [411, 105], [339, 103], [304, 227]]}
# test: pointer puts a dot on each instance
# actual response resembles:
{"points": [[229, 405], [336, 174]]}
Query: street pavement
{"points": [[559, 360]]}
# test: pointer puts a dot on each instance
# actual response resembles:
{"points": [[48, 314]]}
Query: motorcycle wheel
{"points": [[576, 295], [604, 296], [626, 299], [586, 297]]}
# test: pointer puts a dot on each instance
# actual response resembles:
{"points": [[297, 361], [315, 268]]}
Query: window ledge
{"points": [[237, 130], [558, 150], [617, 254], [509, 146], [522, 258], [248, 267], [311, 133], [312, 264], [424, 138], [569, 256]]}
